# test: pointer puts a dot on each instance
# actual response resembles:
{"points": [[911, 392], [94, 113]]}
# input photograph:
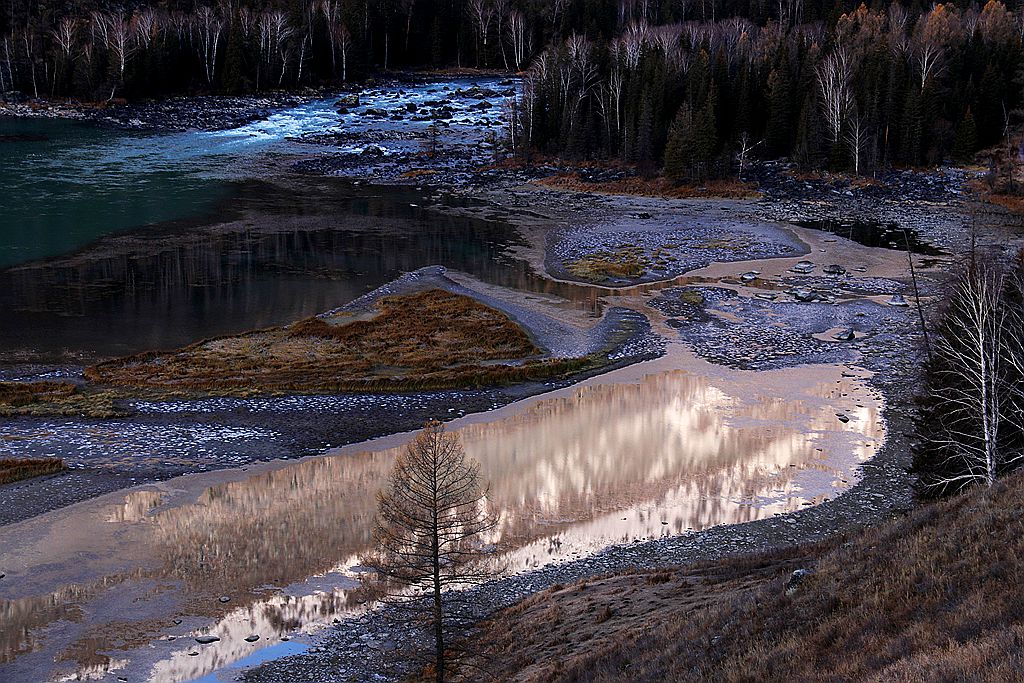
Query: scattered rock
{"points": [[833, 269], [347, 101], [749, 276], [252, 639], [225, 598], [845, 335], [797, 578], [803, 268], [806, 295], [206, 640], [898, 300], [843, 417]]}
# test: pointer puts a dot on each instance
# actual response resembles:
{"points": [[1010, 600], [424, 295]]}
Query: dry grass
{"points": [[53, 398], [16, 469], [933, 596], [626, 262], [429, 340], [419, 173], [1011, 202], [655, 187]]}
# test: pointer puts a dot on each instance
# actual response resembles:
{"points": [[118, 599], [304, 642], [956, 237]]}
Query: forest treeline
{"points": [[877, 87], [690, 86]]}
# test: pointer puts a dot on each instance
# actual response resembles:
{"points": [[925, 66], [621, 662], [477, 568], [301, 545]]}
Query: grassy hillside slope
{"points": [[933, 596]]}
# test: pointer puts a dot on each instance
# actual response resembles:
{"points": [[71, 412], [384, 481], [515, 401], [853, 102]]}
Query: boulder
{"points": [[796, 579], [805, 294], [206, 640], [845, 335], [803, 268], [347, 101], [898, 300], [833, 269]]}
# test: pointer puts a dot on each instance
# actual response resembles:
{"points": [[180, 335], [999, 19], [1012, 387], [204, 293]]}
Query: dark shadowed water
{"points": [[268, 255], [123, 242]]}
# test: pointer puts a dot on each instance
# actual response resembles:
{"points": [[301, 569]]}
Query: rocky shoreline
{"points": [[197, 113]]}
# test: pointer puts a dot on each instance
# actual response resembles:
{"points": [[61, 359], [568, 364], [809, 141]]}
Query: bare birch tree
{"points": [[857, 139], [970, 422], [209, 26], [431, 515], [935, 31], [834, 82], [116, 33], [481, 13]]}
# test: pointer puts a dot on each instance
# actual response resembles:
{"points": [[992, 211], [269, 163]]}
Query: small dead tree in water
{"points": [[431, 515]]}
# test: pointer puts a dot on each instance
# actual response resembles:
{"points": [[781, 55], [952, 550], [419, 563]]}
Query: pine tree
{"points": [[966, 142], [680, 149], [779, 134]]}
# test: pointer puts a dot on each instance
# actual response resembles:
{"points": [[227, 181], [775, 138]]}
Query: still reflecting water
{"points": [[275, 257], [595, 465]]}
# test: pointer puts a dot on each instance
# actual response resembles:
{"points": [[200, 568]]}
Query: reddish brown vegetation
{"points": [[655, 187], [432, 339], [23, 393], [933, 596], [16, 469]]}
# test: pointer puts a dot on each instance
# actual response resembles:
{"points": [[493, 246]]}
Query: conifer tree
{"points": [[966, 142], [680, 150]]}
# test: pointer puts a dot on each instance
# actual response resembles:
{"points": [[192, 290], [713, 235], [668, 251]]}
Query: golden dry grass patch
{"points": [[655, 187], [428, 340]]}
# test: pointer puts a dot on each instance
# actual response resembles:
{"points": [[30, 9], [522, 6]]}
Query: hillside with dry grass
{"points": [[933, 596]]}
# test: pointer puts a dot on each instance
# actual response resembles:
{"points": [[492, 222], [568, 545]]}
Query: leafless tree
{"points": [[935, 31], [209, 26], [519, 38], [9, 62], [65, 35], [330, 10], [633, 42], [430, 520], [899, 44], [857, 139], [481, 13], [835, 74], [65, 38], [146, 23], [746, 147], [979, 343], [115, 33], [29, 44]]}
